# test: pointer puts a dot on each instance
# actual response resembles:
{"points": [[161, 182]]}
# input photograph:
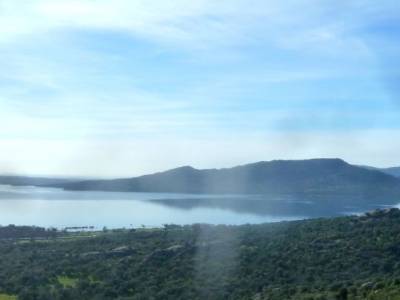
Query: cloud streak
{"points": [[81, 76]]}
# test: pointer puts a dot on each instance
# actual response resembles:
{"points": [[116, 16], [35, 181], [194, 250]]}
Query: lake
{"points": [[49, 207]]}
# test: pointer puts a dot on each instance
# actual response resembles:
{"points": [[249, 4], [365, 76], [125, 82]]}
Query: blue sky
{"points": [[126, 87]]}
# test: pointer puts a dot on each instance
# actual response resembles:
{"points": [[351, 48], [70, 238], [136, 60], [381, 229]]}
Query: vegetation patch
{"points": [[7, 297], [66, 281]]}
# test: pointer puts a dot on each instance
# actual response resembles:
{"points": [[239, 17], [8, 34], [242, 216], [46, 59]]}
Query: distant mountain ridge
{"points": [[394, 171], [314, 176], [32, 181]]}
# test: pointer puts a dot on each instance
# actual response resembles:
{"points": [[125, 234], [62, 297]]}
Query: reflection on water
{"points": [[277, 206], [53, 207]]}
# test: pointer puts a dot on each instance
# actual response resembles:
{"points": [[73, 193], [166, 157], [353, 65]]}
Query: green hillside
{"points": [[338, 258]]}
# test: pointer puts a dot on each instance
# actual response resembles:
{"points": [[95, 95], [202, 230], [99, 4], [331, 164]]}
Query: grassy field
{"points": [[7, 297], [66, 281]]}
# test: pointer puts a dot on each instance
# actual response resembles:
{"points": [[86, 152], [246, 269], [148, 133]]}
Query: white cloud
{"points": [[169, 20], [63, 114], [196, 23]]}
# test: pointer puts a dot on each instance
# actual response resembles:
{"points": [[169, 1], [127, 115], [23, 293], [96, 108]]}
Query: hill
{"points": [[394, 171], [32, 181], [315, 176], [353, 258]]}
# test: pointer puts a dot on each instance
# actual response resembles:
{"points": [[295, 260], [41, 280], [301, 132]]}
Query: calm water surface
{"points": [[57, 208]]}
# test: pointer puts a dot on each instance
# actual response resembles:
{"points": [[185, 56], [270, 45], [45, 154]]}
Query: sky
{"points": [[127, 87]]}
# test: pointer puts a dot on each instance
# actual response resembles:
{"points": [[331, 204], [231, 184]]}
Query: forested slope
{"points": [[339, 258]]}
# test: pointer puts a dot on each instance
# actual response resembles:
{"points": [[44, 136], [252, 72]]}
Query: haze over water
{"points": [[57, 208]]}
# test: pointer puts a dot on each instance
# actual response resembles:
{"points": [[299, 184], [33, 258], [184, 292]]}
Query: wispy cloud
{"points": [[291, 23], [115, 73]]}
